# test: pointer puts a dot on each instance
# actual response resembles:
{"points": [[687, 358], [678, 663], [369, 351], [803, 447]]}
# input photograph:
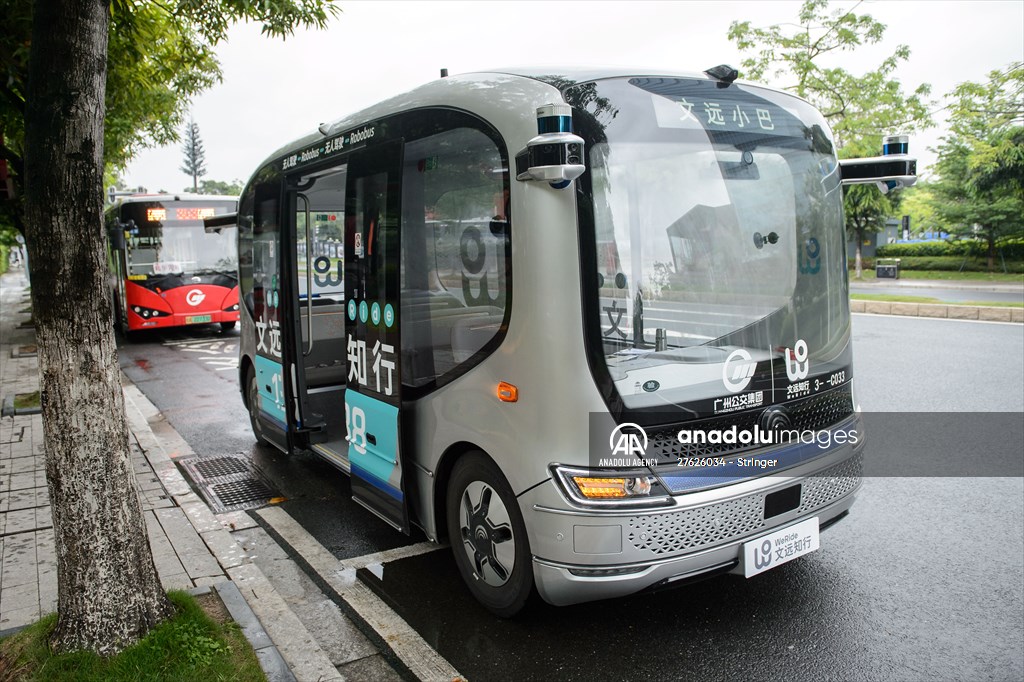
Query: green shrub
{"points": [[949, 264], [1011, 250]]}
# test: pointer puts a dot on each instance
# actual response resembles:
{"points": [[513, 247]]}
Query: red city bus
{"points": [[167, 269]]}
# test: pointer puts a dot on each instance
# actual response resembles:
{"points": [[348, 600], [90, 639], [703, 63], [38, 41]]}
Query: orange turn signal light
{"points": [[507, 393], [600, 488]]}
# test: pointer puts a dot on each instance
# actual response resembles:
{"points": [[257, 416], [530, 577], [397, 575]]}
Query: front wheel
{"points": [[488, 536], [227, 326], [252, 394]]}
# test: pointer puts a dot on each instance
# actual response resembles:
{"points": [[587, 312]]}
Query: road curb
{"points": [[939, 311], [379, 622]]}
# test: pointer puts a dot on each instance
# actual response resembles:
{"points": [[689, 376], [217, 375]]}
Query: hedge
{"points": [[1012, 250], [948, 263], [4, 256]]}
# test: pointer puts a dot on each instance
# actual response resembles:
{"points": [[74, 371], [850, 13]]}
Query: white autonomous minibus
{"points": [[590, 328]]}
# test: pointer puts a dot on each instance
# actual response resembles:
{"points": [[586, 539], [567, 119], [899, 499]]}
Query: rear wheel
{"points": [[252, 395], [488, 536]]}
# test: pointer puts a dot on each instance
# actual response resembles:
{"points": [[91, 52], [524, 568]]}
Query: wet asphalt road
{"points": [[922, 581]]}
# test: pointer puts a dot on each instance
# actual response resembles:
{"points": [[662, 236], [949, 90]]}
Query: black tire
{"points": [[227, 326], [252, 398], [488, 539]]}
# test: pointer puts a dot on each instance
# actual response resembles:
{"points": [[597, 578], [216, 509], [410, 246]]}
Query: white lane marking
{"points": [[218, 354], [197, 342], [424, 662], [392, 554]]}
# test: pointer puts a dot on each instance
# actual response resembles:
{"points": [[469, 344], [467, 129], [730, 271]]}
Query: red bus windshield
{"points": [[168, 238]]}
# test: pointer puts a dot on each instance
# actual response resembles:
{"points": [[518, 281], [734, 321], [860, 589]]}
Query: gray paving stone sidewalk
{"points": [[192, 548]]}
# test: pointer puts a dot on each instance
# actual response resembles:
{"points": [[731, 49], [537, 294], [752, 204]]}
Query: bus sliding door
{"points": [[268, 302], [372, 342]]}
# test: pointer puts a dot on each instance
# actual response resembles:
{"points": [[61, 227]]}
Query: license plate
{"points": [[197, 319], [785, 544]]}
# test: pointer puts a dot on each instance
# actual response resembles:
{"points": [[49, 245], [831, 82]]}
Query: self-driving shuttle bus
{"points": [[591, 329]]}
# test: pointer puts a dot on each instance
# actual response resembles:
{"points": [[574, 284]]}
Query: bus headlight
{"points": [[612, 487], [147, 313]]}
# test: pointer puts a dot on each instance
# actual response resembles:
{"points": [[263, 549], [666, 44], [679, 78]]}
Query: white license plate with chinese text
{"points": [[785, 544]]}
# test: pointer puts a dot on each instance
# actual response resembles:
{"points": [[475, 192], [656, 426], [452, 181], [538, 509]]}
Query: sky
{"points": [[275, 91]]}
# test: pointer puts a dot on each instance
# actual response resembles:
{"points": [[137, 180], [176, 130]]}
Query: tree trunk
{"points": [[109, 595], [991, 238], [858, 261]]}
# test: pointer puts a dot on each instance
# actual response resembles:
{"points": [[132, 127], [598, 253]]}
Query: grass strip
{"points": [[191, 646], [899, 298], [868, 275]]}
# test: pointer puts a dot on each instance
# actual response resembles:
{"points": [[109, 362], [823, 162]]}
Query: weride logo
{"points": [[797, 363]]}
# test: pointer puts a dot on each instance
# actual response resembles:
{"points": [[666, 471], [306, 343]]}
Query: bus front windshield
{"points": [[168, 238], [717, 279]]}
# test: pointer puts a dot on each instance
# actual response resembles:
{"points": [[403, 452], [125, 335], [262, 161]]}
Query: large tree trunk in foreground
{"points": [[109, 594]]}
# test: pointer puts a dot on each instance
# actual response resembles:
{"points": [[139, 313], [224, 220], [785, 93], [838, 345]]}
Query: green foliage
{"points": [[917, 203], [218, 187], [981, 163], [190, 646], [860, 109], [193, 641], [155, 64], [159, 56], [958, 263], [949, 275], [863, 107], [194, 164], [865, 208], [1010, 249]]}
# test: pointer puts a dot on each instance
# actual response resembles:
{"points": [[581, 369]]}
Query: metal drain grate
{"points": [[241, 492], [228, 482], [220, 466]]}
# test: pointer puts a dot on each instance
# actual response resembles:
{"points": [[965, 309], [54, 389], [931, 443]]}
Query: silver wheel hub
{"points": [[487, 534]]}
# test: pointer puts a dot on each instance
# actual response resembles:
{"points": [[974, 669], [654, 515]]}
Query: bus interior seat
{"points": [[325, 364], [428, 329]]}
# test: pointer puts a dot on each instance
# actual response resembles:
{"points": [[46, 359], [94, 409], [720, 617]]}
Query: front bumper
{"points": [[583, 556], [135, 321]]}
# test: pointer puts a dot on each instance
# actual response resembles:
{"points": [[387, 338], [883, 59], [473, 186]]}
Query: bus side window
{"points": [[455, 274], [266, 266], [321, 253], [245, 225]]}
